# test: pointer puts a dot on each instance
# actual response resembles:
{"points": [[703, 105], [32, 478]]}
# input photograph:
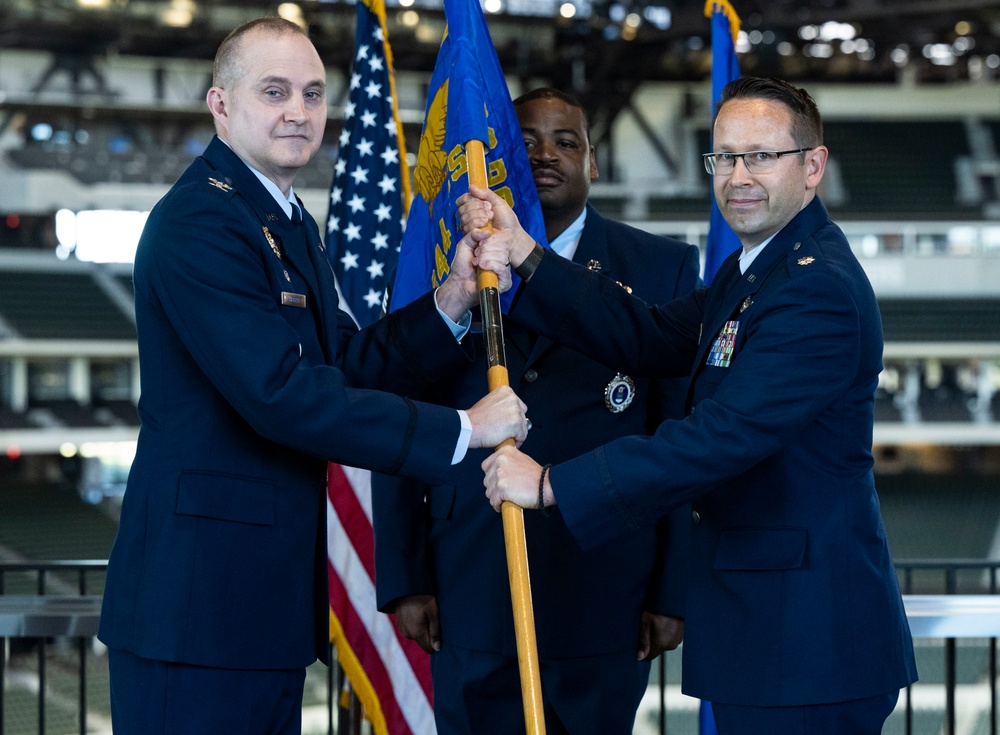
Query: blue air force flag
{"points": [[725, 68], [467, 100]]}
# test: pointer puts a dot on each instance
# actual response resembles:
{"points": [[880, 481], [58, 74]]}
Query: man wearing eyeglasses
{"points": [[795, 624]]}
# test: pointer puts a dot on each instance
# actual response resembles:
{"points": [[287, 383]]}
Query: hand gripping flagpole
{"points": [[513, 516]]}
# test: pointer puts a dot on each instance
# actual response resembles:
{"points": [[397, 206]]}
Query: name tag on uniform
{"points": [[722, 348], [293, 299]]}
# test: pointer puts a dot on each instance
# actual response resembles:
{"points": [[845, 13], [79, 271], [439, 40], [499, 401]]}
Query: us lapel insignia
{"points": [[219, 184], [628, 289], [806, 260], [594, 265], [746, 304], [271, 242], [619, 393]]}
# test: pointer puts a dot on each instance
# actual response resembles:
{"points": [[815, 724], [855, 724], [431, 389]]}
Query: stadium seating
{"points": [[54, 305], [899, 168]]}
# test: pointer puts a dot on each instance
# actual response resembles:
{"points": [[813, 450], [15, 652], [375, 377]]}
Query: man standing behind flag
{"points": [[252, 379], [440, 548], [468, 101]]}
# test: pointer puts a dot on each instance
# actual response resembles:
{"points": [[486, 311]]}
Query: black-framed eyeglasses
{"points": [[757, 162]]}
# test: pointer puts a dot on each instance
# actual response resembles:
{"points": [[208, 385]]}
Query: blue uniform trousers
{"points": [[477, 692], [151, 697], [857, 717]]}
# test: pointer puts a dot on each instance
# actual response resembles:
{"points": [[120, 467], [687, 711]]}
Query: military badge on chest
{"points": [[619, 393], [721, 353], [276, 250]]}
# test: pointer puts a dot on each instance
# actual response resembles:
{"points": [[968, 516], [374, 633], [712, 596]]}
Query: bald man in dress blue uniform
{"points": [[252, 380], [795, 623]]}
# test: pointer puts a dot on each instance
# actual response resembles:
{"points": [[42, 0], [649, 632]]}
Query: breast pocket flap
{"points": [[226, 497]]}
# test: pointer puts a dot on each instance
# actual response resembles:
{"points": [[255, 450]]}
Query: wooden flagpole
{"points": [[513, 516]]}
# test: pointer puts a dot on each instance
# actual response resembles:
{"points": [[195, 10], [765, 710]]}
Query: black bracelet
{"points": [[529, 264], [541, 490]]}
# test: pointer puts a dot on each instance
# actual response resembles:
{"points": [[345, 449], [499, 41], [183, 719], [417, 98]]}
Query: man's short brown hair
{"points": [[807, 125], [226, 68]]}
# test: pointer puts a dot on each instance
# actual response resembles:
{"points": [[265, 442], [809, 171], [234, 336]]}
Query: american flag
{"points": [[370, 181], [389, 674]]}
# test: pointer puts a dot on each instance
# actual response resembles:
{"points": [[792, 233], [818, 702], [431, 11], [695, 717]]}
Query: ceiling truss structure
{"points": [[923, 41]]}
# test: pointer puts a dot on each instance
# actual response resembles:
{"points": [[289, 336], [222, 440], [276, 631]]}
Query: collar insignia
{"points": [[219, 184], [806, 260]]}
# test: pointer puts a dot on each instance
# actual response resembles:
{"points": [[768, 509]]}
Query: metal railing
{"points": [[12, 622], [952, 577], [46, 602]]}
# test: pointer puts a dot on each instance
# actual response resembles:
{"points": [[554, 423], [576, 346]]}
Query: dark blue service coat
{"points": [[587, 602], [792, 595], [252, 379]]}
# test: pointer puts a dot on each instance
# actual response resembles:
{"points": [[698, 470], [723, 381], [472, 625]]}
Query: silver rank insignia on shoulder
{"points": [[619, 393], [271, 242], [219, 184], [806, 260]]}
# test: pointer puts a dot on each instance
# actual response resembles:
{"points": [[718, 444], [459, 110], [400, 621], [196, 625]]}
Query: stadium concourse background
{"points": [[101, 107]]}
